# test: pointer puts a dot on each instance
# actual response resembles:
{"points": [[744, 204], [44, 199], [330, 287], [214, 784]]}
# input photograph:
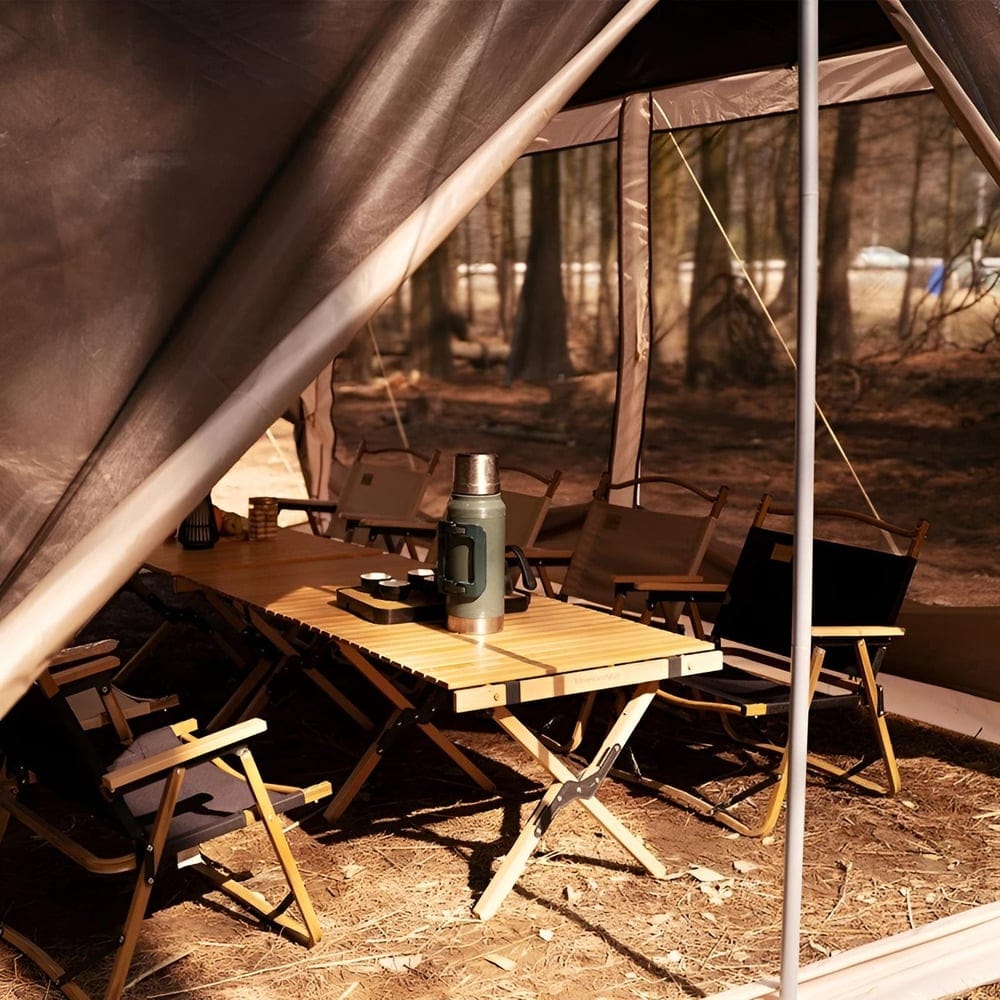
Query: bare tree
{"points": [[784, 198], [539, 351], [508, 255], [431, 317], [605, 330], [710, 280], [835, 326], [666, 225]]}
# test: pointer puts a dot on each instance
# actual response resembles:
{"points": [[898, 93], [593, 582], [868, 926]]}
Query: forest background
{"points": [[908, 231]]}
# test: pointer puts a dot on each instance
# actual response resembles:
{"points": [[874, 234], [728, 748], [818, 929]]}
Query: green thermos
{"points": [[471, 564]]}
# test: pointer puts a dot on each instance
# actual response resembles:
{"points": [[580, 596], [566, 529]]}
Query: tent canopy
{"points": [[204, 201]]}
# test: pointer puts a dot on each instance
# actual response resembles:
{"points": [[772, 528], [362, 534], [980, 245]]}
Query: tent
{"points": [[204, 201]]}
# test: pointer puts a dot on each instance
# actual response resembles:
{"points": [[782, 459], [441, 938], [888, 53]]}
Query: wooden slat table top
{"points": [[551, 639], [228, 554]]}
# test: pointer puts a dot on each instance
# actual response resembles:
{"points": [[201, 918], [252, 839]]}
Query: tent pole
{"points": [[635, 306], [805, 442]]}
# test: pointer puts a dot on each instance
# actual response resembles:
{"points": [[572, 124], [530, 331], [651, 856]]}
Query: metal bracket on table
{"points": [[583, 787], [418, 716]]}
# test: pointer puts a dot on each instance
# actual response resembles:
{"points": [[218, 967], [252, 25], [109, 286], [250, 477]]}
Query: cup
{"points": [[371, 581], [262, 522], [422, 578], [394, 590]]}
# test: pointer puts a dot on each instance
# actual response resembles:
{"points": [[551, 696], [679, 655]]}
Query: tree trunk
{"points": [[508, 256], [493, 229], [666, 227], [904, 319], [470, 299], [835, 326], [539, 351], [581, 196], [710, 282], [606, 329], [784, 197], [431, 319]]}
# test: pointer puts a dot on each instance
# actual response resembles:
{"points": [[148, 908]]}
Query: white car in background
{"points": [[884, 257]]}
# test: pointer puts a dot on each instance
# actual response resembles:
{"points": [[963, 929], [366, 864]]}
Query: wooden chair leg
{"points": [[307, 931], [44, 961], [145, 877], [721, 812], [883, 740]]}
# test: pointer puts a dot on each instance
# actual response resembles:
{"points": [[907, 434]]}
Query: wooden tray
{"points": [[419, 606]]}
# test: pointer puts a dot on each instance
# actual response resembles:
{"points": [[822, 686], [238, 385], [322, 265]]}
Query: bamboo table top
{"points": [[551, 649], [228, 554]]}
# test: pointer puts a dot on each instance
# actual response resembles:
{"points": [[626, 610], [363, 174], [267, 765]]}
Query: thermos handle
{"points": [[450, 533], [527, 577]]}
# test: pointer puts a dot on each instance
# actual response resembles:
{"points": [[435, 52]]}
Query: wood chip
{"points": [[501, 962], [400, 963], [706, 874]]}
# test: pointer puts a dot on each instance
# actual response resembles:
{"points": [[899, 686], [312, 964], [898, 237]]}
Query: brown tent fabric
{"points": [[183, 181]]}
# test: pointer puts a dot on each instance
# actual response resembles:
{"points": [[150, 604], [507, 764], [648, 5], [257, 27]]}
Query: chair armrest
{"points": [[400, 525], [72, 674], [87, 651], [189, 753], [307, 504], [540, 553], [670, 586], [856, 632]]}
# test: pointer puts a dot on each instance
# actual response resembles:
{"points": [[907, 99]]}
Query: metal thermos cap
{"points": [[476, 475]]}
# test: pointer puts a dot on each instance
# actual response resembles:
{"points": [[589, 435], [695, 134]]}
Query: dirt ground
{"points": [[395, 880]]}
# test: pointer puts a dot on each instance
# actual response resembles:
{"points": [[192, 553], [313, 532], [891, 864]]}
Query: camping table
{"points": [[282, 561], [550, 650]]}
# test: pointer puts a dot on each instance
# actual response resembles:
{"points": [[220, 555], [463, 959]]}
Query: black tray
{"points": [[418, 606]]}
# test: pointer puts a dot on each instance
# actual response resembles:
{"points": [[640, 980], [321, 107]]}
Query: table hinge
{"points": [[583, 787]]}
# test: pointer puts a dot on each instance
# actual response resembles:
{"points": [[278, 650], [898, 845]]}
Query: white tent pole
{"points": [[805, 444], [92, 571]]}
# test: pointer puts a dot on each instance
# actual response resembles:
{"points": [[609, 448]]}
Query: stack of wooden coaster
{"points": [[263, 519]]}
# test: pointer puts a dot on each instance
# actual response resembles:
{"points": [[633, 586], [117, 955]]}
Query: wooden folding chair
{"points": [[94, 697], [620, 542], [163, 796], [857, 595], [380, 483], [527, 495]]}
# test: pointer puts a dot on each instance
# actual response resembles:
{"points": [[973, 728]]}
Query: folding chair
{"points": [[99, 701], [526, 494], [381, 483], [624, 541], [620, 542], [857, 595], [168, 793]]}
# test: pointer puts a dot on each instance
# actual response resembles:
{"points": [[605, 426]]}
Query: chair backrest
{"points": [[526, 509], [618, 540], [852, 584], [386, 482], [42, 734]]}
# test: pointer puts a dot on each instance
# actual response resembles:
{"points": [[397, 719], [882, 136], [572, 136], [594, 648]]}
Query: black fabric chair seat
{"points": [[737, 687], [212, 802]]}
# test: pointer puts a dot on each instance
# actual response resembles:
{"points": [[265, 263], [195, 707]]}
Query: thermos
{"points": [[471, 564]]}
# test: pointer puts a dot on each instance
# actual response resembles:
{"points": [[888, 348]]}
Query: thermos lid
{"points": [[476, 475]]}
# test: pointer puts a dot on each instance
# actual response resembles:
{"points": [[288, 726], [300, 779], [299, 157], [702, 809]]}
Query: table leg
{"points": [[405, 713], [567, 788]]}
